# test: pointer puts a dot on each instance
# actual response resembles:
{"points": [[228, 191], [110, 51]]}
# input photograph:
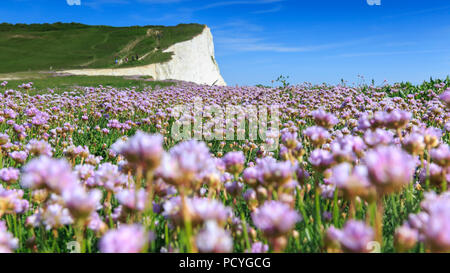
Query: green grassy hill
{"points": [[71, 46]]}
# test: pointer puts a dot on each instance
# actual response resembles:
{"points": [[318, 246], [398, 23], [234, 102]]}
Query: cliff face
{"points": [[191, 61]]}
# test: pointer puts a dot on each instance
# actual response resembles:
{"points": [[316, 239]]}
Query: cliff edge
{"points": [[192, 61]]}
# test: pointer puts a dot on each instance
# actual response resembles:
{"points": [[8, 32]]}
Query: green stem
{"points": [[335, 208], [317, 220], [244, 227], [187, 221]]}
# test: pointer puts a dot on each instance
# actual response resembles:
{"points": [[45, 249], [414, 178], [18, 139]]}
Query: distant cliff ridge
{"points": [[192, 60]]}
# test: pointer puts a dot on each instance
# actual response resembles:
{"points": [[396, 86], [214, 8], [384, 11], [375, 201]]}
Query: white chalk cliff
{"points": [[192, 61]]}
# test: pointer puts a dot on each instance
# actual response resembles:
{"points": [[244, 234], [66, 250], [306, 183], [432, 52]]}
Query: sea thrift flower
{"points": [[234, 188], [398, 119], [390, 168], [331, 240], [275, 173], [327, 190], [132, 200], [302, 175], [39, 147], [289, 139], [234, 162], [81, 203], [96, 224], [85, 173], [321, 159], [12, 202], [445, 97], [414, 144], [441, 155], [275, 219], [353, 181], [7, 241], [378, 137], [44, 172], [355, 237], [186, 163], [143, 150], [4, 138], [201, 210], [342, 150], [26, 85], [19, 156], [126, 239], [324, 119], [405, 238], [379, 119], [250, 176], [259, 247], [436, 175], [364, 123], [431, 136], [73, 151], [9, 175], [109, 177], [436, 228], [317, 135], [214, 239], [55, 217], [41, 118], [93, 160]]}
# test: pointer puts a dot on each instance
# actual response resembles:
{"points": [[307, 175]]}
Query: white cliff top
{"points": [[192, 61]]}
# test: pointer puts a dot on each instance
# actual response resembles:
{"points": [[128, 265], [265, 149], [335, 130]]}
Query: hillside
{"points": [[76, 46]]}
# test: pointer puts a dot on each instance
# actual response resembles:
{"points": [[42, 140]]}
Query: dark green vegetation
{"points": [[70, 46]]}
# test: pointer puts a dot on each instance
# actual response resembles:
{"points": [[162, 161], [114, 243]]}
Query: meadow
{"points": [[98, 168], [49, 82]]}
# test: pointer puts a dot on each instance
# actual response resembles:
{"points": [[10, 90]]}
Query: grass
{"points": [[42, 83], [72, 46]]}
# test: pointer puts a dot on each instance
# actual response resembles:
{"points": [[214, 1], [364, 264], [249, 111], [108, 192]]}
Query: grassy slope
{"points": [[61, 84], [67, 46]]}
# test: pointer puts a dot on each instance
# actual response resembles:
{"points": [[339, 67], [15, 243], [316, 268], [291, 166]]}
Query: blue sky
{"points": [[308, 40]]}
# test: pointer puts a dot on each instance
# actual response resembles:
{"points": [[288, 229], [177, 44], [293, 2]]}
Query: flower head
{"points": [[143, 150], [390, 168], [9, 175], [81, 203], [275, 219], [324, 119], [214, 239], [186, 163], [317, 135], [125, 239], [39, 147], [321, 159], [445, 97], [353, 181], [44, 172], [355, 237], [7, 241], [234, 162], [109, 177], [441, 155], [397, 119]]}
